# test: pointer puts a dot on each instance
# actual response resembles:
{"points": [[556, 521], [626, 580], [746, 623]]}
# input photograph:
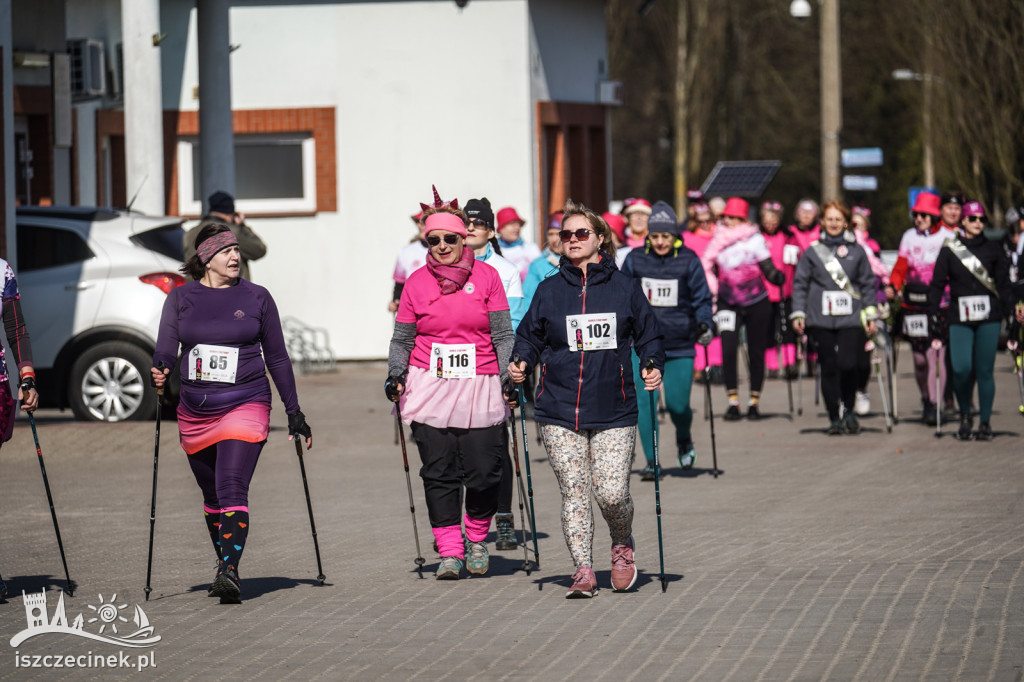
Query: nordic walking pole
{"points": [[801, 357], [877, 362], [711, 413], [408, 484], [1018, 358], [309, 507], [156, 460], [779, 342], [529, 478], [53, 513], [937, 345], [522, 493], [657, 477]]}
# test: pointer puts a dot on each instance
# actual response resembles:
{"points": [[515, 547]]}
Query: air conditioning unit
{"points": [[88, 73], [610, 93]]}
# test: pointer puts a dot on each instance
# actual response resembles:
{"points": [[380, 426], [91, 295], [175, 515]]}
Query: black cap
{"points": [[480, 209], [952, 197], [221, 202]]}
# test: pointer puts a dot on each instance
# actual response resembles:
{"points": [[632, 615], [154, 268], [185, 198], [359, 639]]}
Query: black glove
{"points": [[778, 278], [391, 388], [28, 384], [297, 425], [704, 334], [510, 392]]}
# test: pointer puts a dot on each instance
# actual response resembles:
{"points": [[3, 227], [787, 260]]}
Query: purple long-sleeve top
{"points": [[243, 316]]}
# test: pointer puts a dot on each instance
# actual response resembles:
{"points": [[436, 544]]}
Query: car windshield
{"points": [[165, 240]]}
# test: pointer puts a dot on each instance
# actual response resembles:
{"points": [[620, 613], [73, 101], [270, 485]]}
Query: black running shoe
{"points": [[228, 587], [504, 525], [836, 428], [984, 431], [732, 414], [929, 415], [220, 569], [966, 431], [851, 424], [753, 413]]}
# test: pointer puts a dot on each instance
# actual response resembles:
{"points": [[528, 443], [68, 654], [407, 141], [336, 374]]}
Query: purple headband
{"points": [[215, 244]]}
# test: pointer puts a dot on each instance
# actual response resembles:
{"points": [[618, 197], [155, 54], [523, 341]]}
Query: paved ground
{"points": [[879, 557]]}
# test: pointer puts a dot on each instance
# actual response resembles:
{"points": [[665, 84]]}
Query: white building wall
{"points": [[424, 94]]}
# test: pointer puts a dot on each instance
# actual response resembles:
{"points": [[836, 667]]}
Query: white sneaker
{"points": [[863, 404]]}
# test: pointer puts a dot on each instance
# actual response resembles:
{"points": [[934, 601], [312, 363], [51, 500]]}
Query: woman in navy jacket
{"points": [[672, 279], [581, 327]]}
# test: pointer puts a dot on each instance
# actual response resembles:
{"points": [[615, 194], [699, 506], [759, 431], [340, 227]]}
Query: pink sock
{"points": [[771, 359], [476, 529], [789, 354], [449, 541]]}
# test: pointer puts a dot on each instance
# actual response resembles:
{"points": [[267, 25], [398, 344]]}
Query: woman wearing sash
{"points": [[581, 327], [977, 272], [230, 335], [834, 299], [452, 340]]}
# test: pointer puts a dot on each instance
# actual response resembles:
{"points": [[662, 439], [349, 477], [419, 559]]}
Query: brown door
{"points": [[573, 156]]}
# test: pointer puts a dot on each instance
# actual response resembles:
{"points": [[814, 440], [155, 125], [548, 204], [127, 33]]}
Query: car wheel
{"points": [[110, 382]]}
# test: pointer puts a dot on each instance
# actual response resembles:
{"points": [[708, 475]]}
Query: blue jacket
{"points": [[539, 270], [587, 389], [679, 322]]}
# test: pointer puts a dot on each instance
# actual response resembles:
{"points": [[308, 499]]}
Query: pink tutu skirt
{"points": [[474, 403], [249, 422]]}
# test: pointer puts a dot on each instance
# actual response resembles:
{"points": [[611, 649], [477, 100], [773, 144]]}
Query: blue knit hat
{"points": [[663, 219]]}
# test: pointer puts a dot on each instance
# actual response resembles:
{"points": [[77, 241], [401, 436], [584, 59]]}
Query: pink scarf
{"points": [[451, 278], [723, 238]]}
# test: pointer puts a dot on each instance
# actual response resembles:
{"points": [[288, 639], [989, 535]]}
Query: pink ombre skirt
{"points": [[474, 403], [249, 422]]}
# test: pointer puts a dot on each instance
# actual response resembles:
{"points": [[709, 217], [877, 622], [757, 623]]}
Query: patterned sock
{"points": [[213, 525], [755, 398], [234, 529], [734, 399]]}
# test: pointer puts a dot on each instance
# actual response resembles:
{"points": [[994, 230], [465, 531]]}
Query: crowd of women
{"points": [[618, 306]]}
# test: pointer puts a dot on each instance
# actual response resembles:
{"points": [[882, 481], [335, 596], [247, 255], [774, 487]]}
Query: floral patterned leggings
{"points": [[595, 461]]}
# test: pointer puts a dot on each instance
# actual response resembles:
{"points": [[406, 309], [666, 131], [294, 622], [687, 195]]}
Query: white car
{"points": [[93, 283]]}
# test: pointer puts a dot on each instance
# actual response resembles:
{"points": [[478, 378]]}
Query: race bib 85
{"points": [[213, 363]]}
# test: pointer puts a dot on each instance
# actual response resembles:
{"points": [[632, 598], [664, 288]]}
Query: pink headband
{"points": [[215, 244], [445, 221]]}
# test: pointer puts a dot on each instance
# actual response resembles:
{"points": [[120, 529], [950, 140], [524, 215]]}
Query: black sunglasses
{"points": [[582, 234], [976, 218], [476, 222], [451, 239], [918, 214]]}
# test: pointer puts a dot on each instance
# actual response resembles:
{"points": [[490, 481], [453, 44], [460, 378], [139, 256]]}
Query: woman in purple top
{"points": [[225, 327]]}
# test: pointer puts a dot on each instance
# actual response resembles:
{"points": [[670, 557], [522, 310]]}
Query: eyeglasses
{"points": [[582, 234], [975, 219], [450, 239], [476, 222]]}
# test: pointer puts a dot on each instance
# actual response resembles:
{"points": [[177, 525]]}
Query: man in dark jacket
{"points": [[221, 210], [672, 279]]}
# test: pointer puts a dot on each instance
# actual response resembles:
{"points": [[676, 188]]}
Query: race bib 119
{"points": [[591, 332], [973, 308], [453, 360]]}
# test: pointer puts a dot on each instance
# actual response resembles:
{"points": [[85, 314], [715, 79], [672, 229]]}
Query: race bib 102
{"points": [[595, 331], [213, 363], [836, 303], [973, 308], [662, 293], [453, 360]]}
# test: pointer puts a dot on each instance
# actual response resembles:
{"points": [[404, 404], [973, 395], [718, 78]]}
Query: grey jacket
{"points": [[812, 280]]}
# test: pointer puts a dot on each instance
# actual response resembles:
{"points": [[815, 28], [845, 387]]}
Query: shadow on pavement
{"points": [[257, 587]]}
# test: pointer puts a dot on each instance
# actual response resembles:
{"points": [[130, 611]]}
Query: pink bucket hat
{"points": [[736, 208]]}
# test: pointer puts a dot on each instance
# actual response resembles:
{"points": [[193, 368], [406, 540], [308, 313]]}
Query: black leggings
{"points": [[841, 358], [453, 457], [757, 317]]}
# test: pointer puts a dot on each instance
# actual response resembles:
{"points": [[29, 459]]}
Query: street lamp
{"points": [[926, 80], [831, 90]]}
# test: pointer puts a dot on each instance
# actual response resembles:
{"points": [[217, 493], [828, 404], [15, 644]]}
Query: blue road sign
{"points": [[861, 158]]}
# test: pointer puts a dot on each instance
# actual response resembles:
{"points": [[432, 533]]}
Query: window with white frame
{"points": [[274, 173]]}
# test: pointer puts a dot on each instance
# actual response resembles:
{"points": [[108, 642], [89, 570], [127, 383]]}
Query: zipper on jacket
{"points": [[579, 388], [622, 382]]}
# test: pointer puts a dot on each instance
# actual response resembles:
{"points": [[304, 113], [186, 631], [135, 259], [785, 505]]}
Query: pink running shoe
{"points": [[584, 584], [623, 569]]}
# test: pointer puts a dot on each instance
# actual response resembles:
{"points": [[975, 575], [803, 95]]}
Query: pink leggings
{"points": [[924, 372]]}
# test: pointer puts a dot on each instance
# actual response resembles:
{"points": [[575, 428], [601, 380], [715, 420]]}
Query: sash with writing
{"points": [[834, 269], [971, 262]]}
